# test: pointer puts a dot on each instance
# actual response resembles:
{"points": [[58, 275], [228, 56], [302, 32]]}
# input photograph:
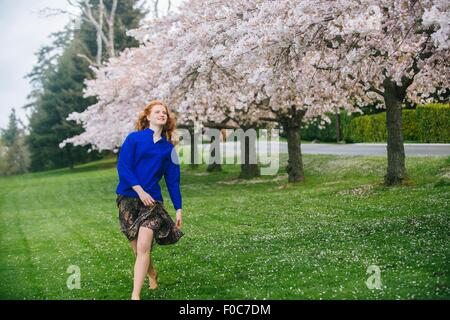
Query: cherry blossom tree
{"points": [[360, 52], [269, 48], [239, 50], [209, 78], [202, 88], [396, 51], [122, 86], [282, 61]]}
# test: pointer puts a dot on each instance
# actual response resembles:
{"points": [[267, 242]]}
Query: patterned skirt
{"points": [[133, 214]]}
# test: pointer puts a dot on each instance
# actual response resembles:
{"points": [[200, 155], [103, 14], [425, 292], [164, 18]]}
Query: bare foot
{"points": [[153, 279], [135, 298]]}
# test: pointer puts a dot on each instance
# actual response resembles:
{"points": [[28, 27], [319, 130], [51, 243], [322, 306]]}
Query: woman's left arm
{"points": [[179, 221], [172, 178]]}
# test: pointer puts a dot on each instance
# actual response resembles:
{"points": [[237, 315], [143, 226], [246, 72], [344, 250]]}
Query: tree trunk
{"points": [[249, 167], [99, 34], [396, 170], [338, 125], [111, 22], [214, 167], [194, 150], [295, 162]]}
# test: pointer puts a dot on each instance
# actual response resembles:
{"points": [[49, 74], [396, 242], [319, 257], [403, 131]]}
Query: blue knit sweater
{"points": [[143, 162]]}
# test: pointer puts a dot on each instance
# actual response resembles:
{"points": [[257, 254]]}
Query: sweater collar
{"points": [[152, 132]]}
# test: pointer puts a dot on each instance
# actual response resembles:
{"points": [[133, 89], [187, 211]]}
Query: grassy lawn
{"points": [[262, 238]]}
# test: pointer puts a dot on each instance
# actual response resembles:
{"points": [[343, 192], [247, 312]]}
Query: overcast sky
{"points": [[23, 32]]}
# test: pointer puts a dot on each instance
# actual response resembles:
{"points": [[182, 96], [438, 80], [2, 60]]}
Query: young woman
{"points": [[146, 155]]}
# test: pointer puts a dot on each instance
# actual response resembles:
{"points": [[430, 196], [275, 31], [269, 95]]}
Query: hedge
{"points": [[410, 125], [433, 121], [367, 128], [328, 133], [427, 123]]}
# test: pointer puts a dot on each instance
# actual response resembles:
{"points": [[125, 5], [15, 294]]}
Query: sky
{"points": [[23, 31]]}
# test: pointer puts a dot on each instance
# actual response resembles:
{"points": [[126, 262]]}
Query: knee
{"points": [[142, 248], [144, 243]]}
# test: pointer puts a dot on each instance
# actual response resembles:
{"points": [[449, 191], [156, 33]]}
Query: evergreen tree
{"points": [[14, 154], [9, 135], [58, 81]]}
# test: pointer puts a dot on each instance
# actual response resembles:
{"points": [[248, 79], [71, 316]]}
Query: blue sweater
{"points": [[143, 162]]}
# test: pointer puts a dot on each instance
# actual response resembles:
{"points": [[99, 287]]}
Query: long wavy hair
{"points": [[168, 129]]}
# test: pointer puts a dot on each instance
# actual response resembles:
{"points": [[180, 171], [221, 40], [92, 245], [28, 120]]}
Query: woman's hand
{"points": [[146, 198], [179, 219]]}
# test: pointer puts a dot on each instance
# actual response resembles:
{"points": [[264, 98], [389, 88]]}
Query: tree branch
{"points": [[268, 119], [372, 89], [88, 60]]}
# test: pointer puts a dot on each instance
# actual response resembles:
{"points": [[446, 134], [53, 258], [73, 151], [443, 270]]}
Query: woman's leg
{"points": [[133, 244], [152, 272], [143, 246]]}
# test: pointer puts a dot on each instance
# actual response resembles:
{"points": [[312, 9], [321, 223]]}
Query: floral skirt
{"points": [[133, 214]]}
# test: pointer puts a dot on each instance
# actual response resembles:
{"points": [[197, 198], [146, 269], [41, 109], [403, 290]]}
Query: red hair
{"points": [[168, 129]]}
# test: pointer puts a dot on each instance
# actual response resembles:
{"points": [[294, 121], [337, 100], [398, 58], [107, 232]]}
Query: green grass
{"points": [[258, 239]]}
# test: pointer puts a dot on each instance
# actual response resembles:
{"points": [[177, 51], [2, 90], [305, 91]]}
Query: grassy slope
{"points": [[243, 240]]}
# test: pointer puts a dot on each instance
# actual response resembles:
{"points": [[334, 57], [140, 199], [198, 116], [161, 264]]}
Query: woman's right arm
{"points": [[125, 162], [144, 196], [124, 167]]}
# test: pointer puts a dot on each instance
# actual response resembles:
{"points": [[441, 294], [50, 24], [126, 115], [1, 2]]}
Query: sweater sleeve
{"points": [[172, 178], [125, 162]]}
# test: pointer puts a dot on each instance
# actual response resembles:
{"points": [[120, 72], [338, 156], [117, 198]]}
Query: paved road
{"points": [[372, 149], [362, 149]]}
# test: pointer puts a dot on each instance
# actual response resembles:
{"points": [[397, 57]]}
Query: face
{"points": [[158, 115]]}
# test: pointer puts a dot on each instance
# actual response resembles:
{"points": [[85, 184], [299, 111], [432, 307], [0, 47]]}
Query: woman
{"points": [[146, 155]]}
